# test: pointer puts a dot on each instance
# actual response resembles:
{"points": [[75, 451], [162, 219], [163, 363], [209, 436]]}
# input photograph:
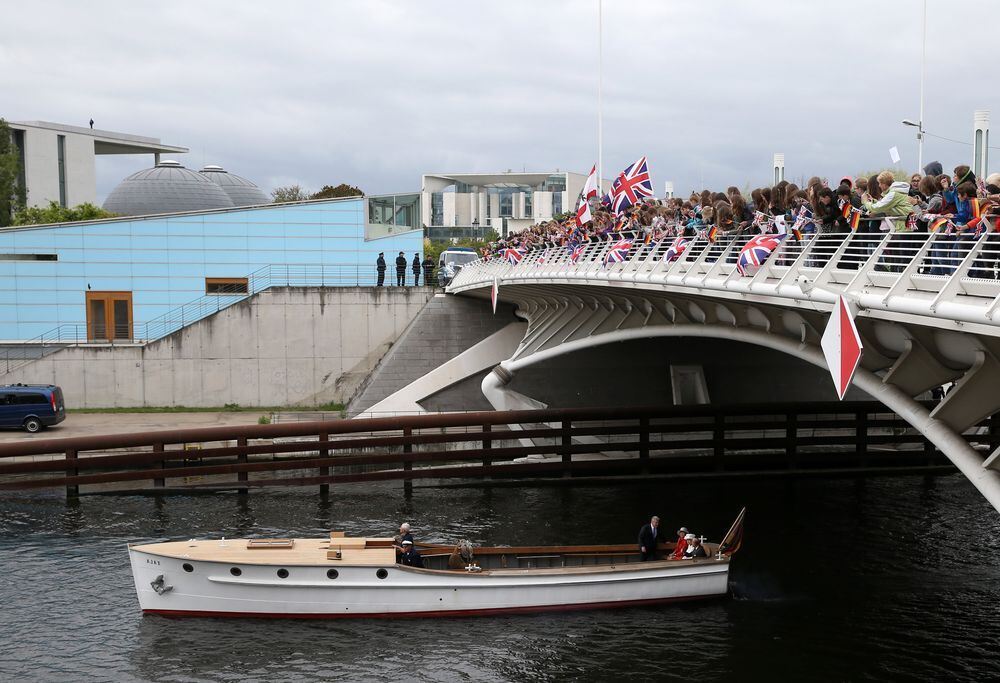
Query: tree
{"points": [[342, 190], [289, 193], [11, 193], [54, 213]]}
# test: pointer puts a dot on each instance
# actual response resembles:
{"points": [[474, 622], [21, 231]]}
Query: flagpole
{"points": [[600, 86]]}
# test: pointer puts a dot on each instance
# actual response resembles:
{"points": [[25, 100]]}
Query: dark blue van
{"points": [[31, 406]]}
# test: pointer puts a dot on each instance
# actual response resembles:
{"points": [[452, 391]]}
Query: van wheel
{"points": [[32, 425]]}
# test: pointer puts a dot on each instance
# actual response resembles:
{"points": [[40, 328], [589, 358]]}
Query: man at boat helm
{"points": [[648, 538]]}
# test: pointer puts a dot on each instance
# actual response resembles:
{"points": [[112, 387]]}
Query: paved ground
{"points": [[90, 424]]}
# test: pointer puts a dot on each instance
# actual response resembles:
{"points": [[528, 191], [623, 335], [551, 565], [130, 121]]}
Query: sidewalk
{"points": [[93, 424]]}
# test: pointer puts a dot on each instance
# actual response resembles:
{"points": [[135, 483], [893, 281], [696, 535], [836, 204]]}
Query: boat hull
{"points": [[210, 588]]}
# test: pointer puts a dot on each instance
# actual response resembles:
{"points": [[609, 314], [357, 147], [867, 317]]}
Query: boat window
{"points": [[332, 573], [186, 567], [381, 573], [235, 571], [282, 573]]}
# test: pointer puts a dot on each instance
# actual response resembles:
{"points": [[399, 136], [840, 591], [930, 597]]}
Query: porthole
{"points": [[381, 573], [332, 573], [235, 571], [186, 567], [282, 573]]}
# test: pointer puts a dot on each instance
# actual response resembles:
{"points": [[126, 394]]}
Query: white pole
{"points": [[920, 121], [600, 86]]}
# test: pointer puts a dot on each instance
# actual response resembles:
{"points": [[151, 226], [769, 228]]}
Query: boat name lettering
{"points": [[149, 561]]}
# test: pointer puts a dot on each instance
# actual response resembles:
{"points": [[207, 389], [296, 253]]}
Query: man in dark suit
{"points": [[416, 270], [400, 270], [649, 537], [380, 268]]}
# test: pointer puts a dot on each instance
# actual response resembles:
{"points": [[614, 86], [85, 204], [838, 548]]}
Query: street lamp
{"points": [[919, 125], [475, 228]]}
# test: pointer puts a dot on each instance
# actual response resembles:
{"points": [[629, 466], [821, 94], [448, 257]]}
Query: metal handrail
{"points": [[961, 271]]}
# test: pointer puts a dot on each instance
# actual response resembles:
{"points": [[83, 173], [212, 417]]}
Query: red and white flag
{"points": [[590, 187], [495, 293], [583, 212]]}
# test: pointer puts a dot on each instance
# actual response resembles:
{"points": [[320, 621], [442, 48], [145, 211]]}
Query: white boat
{"points": [[359, 577]]}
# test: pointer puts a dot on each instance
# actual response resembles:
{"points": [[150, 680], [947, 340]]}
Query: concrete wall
{"points": [[41, 167], [445, 328], [284, 346]]}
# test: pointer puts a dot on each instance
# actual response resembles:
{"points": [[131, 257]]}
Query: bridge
{"points": [[928, 313]]}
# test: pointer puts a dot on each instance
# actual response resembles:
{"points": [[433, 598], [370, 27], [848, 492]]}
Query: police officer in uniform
{"points": [[400, 270]]}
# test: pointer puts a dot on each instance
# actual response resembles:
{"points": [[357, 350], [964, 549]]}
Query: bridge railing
{"points": [[962, 267]]}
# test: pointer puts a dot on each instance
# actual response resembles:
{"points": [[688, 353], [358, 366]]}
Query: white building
{"points": [[469, 204], [58, 161]]}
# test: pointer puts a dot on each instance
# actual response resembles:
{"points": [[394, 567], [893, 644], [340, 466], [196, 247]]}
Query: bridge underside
{"points": [[902, 360]]}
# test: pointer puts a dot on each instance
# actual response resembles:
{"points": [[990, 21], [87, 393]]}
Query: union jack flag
{"points": [[982, 226], [759, 219], [575, 251], [803, 218], [618, 252], [675, 249], [756, 251], [632, 184], [513, 256]]}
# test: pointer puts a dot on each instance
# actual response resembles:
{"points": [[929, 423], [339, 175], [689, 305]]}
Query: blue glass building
{"points": [[107, 280]]}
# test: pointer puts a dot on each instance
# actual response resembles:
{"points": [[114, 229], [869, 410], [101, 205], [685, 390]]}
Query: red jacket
{"points": [[679, 550]]}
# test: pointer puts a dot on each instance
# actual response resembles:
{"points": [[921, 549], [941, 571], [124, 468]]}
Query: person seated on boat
{"points": [[410, 556], [461, 557], [403, 535], [648, 538], [695, 549], [681, 545]]}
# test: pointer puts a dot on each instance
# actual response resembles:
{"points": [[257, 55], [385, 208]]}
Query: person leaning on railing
{"points": [[896, 206]]}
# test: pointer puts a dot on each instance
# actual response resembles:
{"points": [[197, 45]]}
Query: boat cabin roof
{"points": [[338, 549]]}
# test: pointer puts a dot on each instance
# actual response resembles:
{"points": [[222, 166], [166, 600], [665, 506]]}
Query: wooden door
{"points": [[109, 316]]}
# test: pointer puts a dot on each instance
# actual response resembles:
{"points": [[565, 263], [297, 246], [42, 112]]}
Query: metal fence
{"points": [[940, 269]]}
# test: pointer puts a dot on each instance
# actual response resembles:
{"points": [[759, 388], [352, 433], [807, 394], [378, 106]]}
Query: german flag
{"points": [[712, 233], [975, 209], [797, 234], [845, 208], [938, 224], [855, 218]]}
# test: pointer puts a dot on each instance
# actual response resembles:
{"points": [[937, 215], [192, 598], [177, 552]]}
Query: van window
{"points": [[30, 399]]}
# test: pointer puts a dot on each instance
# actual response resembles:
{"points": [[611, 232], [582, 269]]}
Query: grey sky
{"points": [[374, 93]]}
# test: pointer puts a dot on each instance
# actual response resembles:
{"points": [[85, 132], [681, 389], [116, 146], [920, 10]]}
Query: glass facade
{"points": [[400, 210], [61, 153], [554, 183], [437, 208]]}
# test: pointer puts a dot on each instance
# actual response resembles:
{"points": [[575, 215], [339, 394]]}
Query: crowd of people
{"points": [[958, 205]]}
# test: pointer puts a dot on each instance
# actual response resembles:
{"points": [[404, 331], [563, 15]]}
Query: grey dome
{"points": [[243, 192], [168, 187]]}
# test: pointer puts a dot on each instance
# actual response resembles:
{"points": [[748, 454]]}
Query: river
{"points": [[840, 579]]}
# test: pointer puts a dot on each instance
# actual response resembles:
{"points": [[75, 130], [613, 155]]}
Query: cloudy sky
{"points": [[375, 93]]}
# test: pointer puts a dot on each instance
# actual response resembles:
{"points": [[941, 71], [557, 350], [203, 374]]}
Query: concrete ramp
{"points": [[447, 327]]}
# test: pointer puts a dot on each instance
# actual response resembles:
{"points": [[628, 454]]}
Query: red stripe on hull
{"points": [[440, 613]]}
